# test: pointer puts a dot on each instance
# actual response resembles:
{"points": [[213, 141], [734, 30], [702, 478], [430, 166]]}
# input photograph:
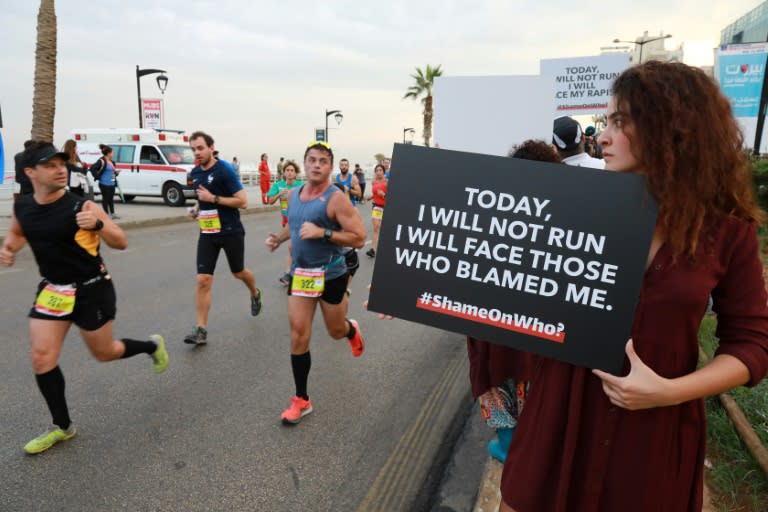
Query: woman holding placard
{"points": [[593, 441]]}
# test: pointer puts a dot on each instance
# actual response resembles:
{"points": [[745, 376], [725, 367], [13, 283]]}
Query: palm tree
{"points": [[44, 100], [423, 87]]}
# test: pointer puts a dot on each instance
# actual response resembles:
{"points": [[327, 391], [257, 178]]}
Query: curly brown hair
{"points": [[691, 148], [535, 150]]}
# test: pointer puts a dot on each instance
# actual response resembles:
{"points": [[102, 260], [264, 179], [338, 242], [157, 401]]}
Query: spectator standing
{"points": [[78, 183], [265, 177], [636, 442], [569, 140], [107, 180]]}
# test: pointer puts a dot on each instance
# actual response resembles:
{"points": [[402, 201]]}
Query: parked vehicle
{"points": [[152, 162]]}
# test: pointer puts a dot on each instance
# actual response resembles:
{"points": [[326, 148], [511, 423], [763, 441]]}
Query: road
{"points": [[206, 434]]}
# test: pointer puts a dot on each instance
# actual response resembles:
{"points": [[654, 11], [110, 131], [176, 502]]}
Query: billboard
{"points": [[582, 85], [740, 70]]}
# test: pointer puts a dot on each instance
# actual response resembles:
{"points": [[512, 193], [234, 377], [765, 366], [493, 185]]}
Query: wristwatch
{"points": [[327, 234], [99, 224], [216, 200]]}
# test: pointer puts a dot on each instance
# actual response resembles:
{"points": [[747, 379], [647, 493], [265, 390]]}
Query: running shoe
{"points": [[285, 279], [197, 337], [371, 252], [114, 217], [297, 410], [357, 343], [159, 356], [256, 303], [50, 438]]}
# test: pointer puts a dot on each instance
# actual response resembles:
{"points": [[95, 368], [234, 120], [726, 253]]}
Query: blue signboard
{"points": [[740, 72]]}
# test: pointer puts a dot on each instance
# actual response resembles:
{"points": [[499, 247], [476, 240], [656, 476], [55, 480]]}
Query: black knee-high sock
{"points": [[51, 385], [133, 347], [352, 331], [301, 365]]}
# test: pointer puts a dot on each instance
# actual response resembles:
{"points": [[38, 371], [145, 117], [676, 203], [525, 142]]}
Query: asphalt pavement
{"points": [[439, 463]]}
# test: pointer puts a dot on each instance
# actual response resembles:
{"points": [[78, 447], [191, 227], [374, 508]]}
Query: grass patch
{"points": [[736, 480]]}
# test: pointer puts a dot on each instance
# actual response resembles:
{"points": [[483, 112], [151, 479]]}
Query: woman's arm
{"points": [[642, 388]]}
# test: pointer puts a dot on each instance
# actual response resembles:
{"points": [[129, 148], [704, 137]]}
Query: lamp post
{"points": [[337, 115], [407, 130], [643, 41], [162, 83]]}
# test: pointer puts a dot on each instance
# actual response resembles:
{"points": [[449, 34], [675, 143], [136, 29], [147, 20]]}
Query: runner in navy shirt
{"points": [[219, 194]]}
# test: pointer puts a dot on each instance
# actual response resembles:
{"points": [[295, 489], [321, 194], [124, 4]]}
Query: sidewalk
{"points": [[142, 211]]}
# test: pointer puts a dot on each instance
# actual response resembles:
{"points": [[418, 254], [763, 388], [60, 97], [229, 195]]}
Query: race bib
{"points": [[308, 282], [378, 213], [56, 300], [209, 221]]}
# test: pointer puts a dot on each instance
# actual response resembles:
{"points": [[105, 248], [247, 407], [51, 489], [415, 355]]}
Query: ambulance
{"points": [[152, 162]]}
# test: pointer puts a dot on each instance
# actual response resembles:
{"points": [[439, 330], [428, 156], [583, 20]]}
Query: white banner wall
{"points": [[490, 114]]}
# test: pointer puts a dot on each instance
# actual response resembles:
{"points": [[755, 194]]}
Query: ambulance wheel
{"points": [[128, 198], [172, 195]]}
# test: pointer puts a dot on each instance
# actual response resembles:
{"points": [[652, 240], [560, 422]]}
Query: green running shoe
{"points": [[159, 356], [256, 303], [50, 438]]}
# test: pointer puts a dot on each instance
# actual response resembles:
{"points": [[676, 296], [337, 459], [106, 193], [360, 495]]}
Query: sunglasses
{"points": [[319, 143]]}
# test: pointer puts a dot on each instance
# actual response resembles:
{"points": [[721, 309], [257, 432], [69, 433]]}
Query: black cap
{"points": [[41, 153], [566, 134]]}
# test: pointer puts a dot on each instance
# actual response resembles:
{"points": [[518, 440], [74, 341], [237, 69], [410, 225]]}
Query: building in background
{"points": [[750, 28], [645, 48]]}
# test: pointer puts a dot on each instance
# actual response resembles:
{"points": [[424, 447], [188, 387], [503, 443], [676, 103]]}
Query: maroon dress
{"points": [[574, 451], [491, 364]]}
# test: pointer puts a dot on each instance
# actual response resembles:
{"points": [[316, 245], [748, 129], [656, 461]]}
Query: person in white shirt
{"points": [[568, 138]]}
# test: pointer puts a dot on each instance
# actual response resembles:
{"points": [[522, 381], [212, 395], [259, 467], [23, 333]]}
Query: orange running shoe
{"points": [[297, 410], [357, 343]]}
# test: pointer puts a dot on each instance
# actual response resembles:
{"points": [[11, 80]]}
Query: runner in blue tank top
{"points": [[349, 181], [321, 222]]}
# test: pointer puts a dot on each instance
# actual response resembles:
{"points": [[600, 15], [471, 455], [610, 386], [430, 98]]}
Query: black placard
{"points": [[542, 257]]}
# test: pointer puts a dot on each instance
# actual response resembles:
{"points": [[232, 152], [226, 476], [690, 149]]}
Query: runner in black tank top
{"points": [[64, 233]]}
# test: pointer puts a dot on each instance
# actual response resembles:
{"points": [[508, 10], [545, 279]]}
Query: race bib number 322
{"points": [[308, 282]]}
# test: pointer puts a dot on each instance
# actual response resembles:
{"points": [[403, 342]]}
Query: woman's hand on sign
{"points": [[642, 388]]}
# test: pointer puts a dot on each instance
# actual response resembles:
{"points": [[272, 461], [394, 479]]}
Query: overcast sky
{"points": [[258, 75]]}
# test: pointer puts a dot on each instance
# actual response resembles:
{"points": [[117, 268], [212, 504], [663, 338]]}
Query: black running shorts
{"points": [[208, 247], [94, 305], [334, 290]]}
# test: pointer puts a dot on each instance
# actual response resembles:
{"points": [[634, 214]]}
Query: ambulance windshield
{"points": [[178, 155]]}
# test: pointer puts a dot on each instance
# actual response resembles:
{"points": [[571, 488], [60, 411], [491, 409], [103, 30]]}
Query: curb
{"points": [[163, 221]]}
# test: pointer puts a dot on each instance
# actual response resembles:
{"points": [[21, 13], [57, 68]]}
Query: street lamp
{"points": [[337, 115], [162, 83], [642, 43], [407, 130]]}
